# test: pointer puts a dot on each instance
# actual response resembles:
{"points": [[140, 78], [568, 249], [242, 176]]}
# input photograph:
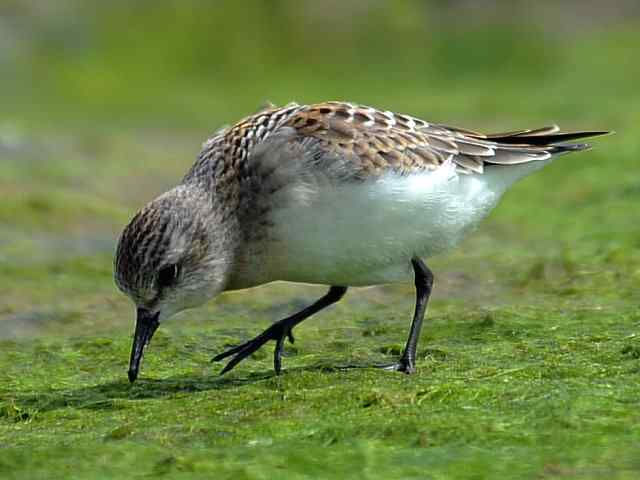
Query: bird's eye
{"points": [[168, 275]]}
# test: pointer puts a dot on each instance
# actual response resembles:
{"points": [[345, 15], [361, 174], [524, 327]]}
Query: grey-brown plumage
{"points": [[258, 205], [375, 142]]}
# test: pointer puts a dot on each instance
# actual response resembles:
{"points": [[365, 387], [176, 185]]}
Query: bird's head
{"points": [[175, 254]]}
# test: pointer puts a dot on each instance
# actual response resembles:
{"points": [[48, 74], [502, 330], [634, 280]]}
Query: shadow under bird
{"points": [[331, 193]]}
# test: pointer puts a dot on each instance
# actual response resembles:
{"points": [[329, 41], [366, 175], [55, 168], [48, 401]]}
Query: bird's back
{"points": [[375, 141]]}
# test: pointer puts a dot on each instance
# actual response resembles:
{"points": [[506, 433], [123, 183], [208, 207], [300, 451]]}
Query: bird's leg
{"points": [[278, 332], [424, 284]]}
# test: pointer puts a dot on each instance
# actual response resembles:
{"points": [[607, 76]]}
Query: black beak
{"points": [[146, 325]]}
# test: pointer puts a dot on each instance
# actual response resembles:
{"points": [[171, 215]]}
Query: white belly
{"points": [[366, 233]]}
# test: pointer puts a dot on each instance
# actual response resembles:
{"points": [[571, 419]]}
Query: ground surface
{"points": [[529, 364]]}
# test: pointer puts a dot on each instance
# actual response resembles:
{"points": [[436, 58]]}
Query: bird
{"points": [[332, 193]]}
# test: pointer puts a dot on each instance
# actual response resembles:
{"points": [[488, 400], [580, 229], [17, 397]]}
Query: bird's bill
{"points": [[146, 325]]}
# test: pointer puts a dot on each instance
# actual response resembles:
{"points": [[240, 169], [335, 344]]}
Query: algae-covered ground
{"points": [[529, 363]]}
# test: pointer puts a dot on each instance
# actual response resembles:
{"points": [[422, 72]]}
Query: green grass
{"points": [[529, 363]]}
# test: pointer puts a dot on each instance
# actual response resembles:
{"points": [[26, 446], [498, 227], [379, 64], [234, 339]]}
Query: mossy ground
{"points": [[529, 364]]}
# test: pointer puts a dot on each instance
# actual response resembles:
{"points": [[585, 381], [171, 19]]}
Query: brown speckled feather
{"points": [[382, 141], [372, 142]]}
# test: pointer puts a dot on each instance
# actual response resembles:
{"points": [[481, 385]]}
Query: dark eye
{"points": [[168, 275]]}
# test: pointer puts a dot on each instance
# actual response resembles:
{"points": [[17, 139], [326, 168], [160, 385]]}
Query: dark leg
{"points": [[424, 284], [278, 332]]}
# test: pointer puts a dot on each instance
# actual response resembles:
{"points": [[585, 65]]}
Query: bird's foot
{"points": [[278, 332], [404, 365]]}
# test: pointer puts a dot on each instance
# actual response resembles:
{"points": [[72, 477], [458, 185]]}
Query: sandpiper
{"points": [[330, 193]]}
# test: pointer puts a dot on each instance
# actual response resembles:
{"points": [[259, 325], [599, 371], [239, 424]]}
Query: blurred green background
{"points": [[104, 105]]}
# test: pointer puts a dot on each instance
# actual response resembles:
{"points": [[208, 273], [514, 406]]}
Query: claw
{"points": [[227, 353], [274, 332], [278, 332], [402, 366]]}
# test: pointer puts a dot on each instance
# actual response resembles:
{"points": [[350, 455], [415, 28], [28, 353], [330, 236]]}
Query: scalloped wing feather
{"points": [[378, 141]]}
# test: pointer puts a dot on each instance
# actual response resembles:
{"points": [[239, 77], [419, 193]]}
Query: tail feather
{"points": [[569, 147], [523, 146]]}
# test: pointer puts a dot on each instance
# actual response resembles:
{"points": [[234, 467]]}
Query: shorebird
{"points": [[331, 193]]}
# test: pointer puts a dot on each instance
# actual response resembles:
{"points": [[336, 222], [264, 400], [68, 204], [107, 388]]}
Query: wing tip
{"points": [[578, 147], [548, 139]]}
